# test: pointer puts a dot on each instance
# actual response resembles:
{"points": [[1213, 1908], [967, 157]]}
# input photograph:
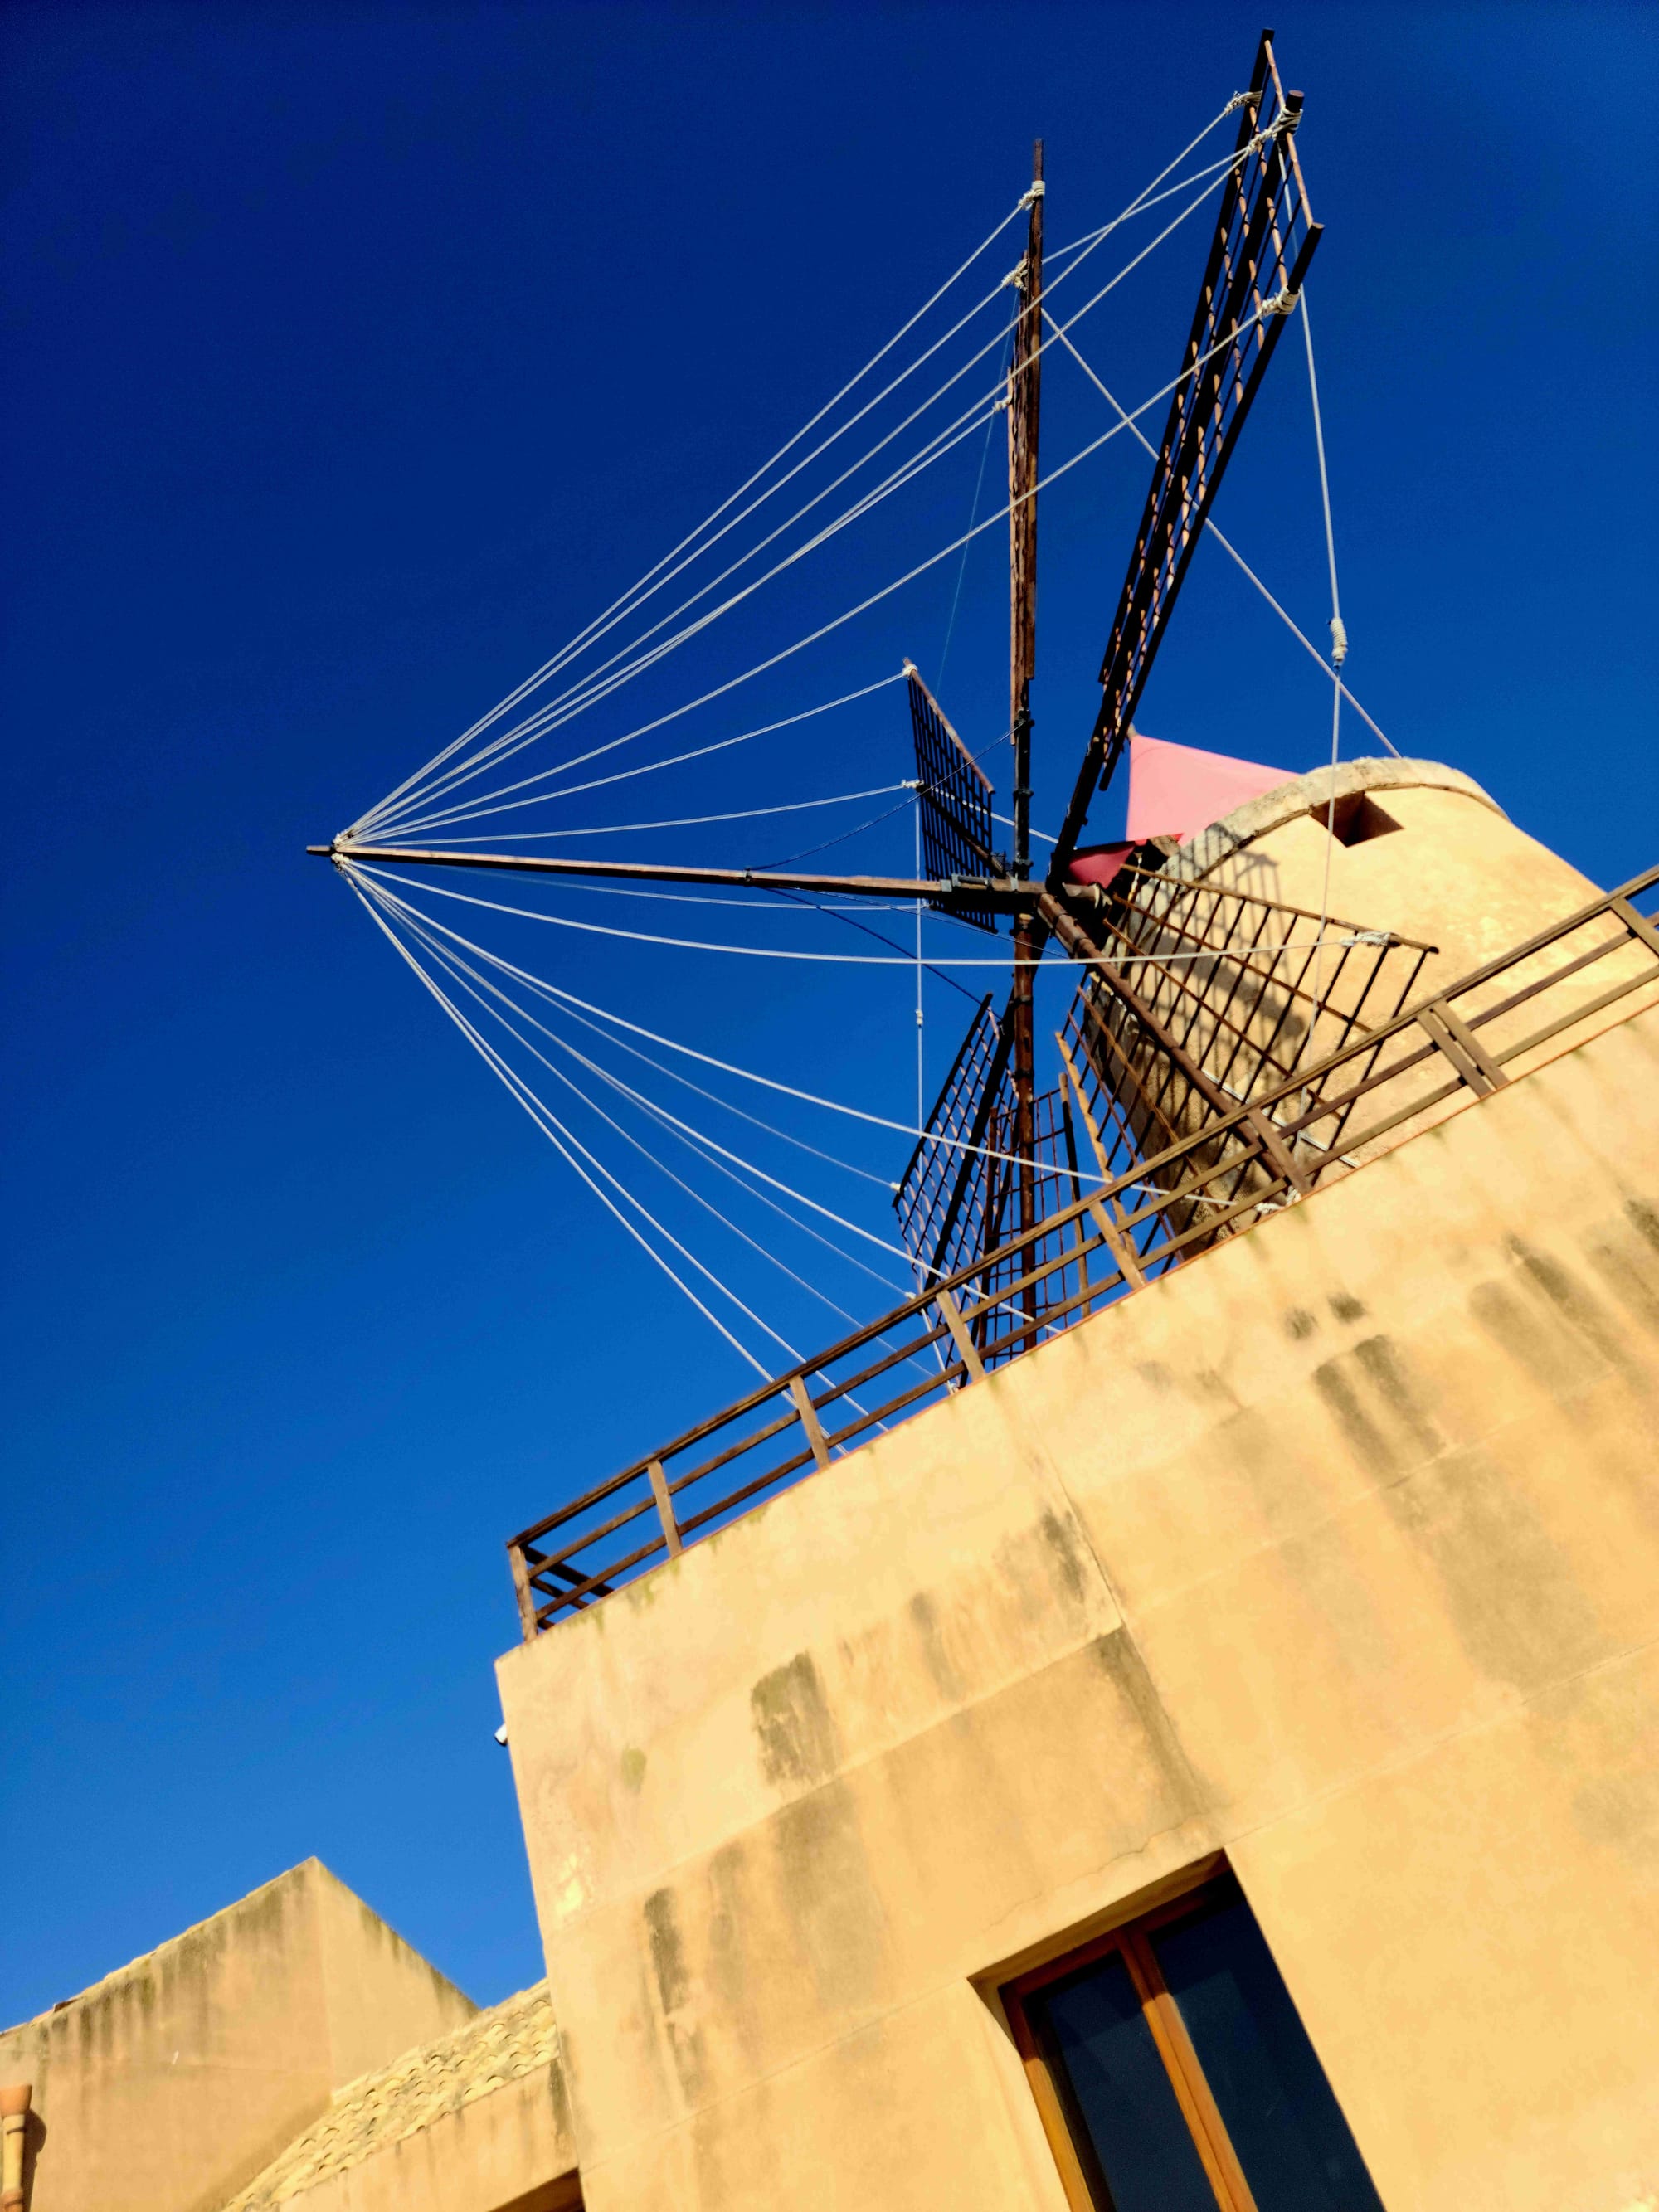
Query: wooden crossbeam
{"points": [[1002, 892]]}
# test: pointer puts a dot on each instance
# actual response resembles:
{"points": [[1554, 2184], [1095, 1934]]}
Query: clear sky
{"points": [[355, 356]]}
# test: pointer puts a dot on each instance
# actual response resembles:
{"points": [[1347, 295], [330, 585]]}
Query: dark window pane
{"points": [[1097, 2035], [1286, 2126]]}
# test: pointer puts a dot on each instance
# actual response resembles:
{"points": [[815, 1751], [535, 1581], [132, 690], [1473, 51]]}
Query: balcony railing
{"points": [[1462, 1042]]}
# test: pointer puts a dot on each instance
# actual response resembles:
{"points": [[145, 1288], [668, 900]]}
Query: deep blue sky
{"points": [[353, 356]]}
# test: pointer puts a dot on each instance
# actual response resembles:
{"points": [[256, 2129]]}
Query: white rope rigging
{"points": [[1143, 202], [1002, 963], [1041, 836], [691, 1138], [865, 1174], [428, 931], [800, 1197], [529, 684], [486, 803], [1234, 555], [973, 517], [698, 1147], [695, 1140], [874, 598], [697, 1144], [441, 794], [1339, 639], [851, 1259], [690, 821], [542, 1117], [599, 683], [699, 1198], [724, 744], [1220, 115], [557, 995], [611, 677], [542, 1114], [558, 712], [566, 709]]}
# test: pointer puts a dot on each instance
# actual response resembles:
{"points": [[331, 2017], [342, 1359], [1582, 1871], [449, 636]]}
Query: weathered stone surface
{"points": [[1336, 1552], [471, 2121], [169, 2084]]}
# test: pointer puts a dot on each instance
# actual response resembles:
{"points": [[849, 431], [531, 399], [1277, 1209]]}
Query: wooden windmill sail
{"points": [[1159, 1038], [1263, 240]]}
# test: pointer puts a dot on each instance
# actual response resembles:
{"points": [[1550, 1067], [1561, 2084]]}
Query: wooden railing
{"points": [[1465, 1041]]}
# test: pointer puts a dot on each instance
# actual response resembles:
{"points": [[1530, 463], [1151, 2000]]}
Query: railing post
{"points": [[1276, 1151], [1458, 1043], [1103, 1211], [967, 1350], [546, 1586], [1117, 1244], [809, 1420], [522, 1590], [670, 1526], [1638, 924], [1080, 1238]]}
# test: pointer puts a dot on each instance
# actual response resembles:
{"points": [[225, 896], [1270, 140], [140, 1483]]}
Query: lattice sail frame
{"points": [[945, 1194], [953, 795], [1238, 990], [1245, 989], [1265, 238], [1263, 241]]}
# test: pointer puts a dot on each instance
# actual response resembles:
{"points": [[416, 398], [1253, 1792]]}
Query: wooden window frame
{"points": [[1068, 2138]]}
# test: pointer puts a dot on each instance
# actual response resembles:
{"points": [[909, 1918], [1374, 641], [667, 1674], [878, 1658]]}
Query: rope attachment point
{"points": [[1282, 126]]}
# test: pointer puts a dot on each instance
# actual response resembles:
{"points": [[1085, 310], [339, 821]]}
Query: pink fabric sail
{"points": [[1175, 790], [1096, 864]]}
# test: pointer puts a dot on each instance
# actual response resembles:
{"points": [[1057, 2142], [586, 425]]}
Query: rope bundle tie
{"points": [[1282, 126]]}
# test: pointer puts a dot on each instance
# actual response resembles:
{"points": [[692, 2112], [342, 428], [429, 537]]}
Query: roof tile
{"points": [[513, 2039]]}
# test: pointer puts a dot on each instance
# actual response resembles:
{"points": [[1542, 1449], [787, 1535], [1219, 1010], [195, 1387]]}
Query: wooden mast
{"points": [[1024, 392]]}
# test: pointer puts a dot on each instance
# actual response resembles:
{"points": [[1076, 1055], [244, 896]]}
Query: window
{"points": [[1355, 818], [1173, 2074]]}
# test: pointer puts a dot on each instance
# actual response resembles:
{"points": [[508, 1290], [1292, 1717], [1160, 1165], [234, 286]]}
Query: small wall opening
{"points": [[1355, 819]]}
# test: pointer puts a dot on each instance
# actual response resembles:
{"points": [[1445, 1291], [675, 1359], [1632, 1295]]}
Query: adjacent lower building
{"points": [[291, 2050]]}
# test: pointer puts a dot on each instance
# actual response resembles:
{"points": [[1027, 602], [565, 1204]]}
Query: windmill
{"points": [[1160, 1036]]}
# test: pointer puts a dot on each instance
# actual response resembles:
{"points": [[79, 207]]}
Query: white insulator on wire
{"points": [[1338, 642]]}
